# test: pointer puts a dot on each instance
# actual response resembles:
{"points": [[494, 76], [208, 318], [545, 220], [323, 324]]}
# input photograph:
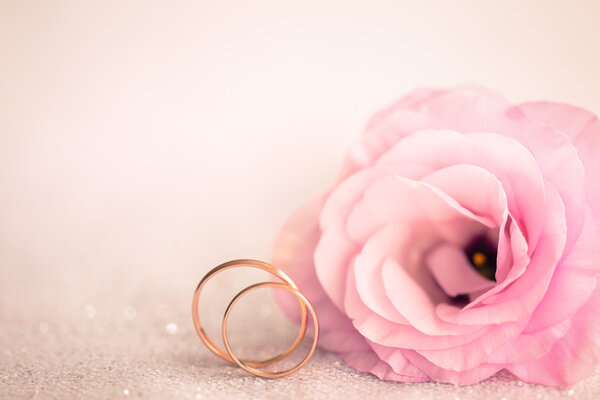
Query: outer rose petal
{"points": [[559, 163], [573, 280], [293, 251], [368, 361], [572, 358], [293, 254], [529, 346], [463, 109], [395, 359], [583, 128], [468, 377], [411, 101]]}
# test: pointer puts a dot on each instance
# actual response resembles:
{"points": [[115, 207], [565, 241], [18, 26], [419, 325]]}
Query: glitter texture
{"points": [[171, 328], [112, 357]]}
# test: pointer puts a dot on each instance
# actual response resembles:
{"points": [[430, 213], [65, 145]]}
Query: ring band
{"points": [[288, 283], [245, 365]]}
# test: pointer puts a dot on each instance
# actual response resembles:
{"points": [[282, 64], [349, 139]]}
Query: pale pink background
{"points": [[143, 142]]}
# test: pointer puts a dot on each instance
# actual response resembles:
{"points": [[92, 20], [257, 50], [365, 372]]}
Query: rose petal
{"points": [[420, 310], [413, 101], [463, 109], [572, 358], [574, 280], [473, 188], [347, 193], [396, 360], [529, 346], [387, 333], [395, 199], [334, 249], [519, 174], [293, 254], [368, 361], [468, 377], [559, 163], [468, 109], [332, 261], [583, 129], [473, 354], [367, 268]]}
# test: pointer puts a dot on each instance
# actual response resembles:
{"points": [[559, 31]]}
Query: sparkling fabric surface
{"points": [[73, 341]]}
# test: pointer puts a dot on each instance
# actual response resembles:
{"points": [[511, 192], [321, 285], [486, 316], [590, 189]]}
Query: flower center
{"points": [[482, 254]]}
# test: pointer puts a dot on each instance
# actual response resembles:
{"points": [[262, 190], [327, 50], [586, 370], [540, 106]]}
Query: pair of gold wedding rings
{"points": [[286, 283]]}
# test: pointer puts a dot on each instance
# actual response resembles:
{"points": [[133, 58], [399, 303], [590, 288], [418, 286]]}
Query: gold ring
{"points": [[288, 282], [246, 366]]}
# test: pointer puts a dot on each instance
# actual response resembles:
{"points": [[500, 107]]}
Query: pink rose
{"points": [[462, 238]]}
